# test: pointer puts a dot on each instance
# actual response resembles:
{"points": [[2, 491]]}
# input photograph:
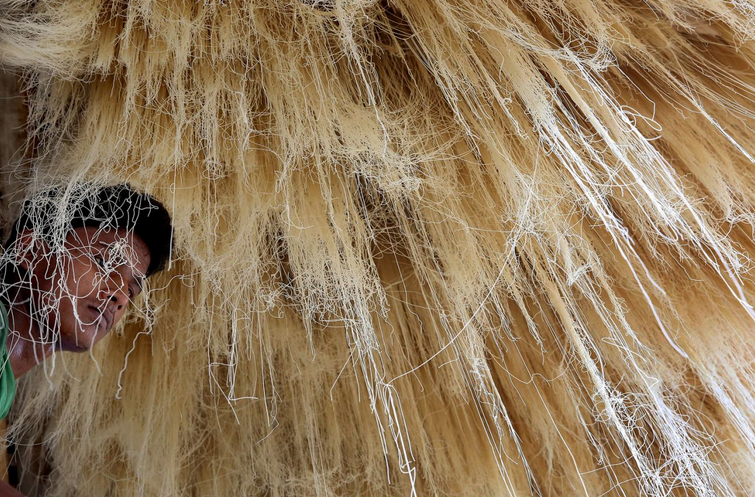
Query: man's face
{"points": [[81, 293]]}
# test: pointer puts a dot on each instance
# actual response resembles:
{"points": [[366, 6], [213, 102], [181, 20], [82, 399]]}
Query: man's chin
{"points": [[66, 346], [81, 342]]}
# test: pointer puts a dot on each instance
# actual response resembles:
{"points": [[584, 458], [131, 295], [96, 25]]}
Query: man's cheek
{"points": [[55, 303], [81, 282]]}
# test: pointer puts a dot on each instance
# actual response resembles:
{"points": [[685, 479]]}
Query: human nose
{"points": [[116, 291]]}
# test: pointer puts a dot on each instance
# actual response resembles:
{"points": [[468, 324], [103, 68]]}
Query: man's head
{"points": [[80, 256]]}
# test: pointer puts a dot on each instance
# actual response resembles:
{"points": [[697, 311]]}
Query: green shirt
{"points": [[7, 380]]}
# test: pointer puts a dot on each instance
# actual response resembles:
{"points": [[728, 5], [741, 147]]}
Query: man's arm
{"points": [[8, 491]]}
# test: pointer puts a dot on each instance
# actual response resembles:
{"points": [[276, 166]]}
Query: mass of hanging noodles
{"points": [[433, 247]]}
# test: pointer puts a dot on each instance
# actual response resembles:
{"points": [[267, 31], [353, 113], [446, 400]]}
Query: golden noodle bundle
{"points": [[422, 246]]}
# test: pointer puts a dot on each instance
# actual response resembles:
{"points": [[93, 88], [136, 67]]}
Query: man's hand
{"points": [[8, 491]]}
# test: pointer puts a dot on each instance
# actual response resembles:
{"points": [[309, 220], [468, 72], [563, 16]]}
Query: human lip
{"points": [[108, 315], [105, 315]]}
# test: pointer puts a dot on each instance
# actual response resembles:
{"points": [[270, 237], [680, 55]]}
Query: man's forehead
{"points": [[127, 243]]}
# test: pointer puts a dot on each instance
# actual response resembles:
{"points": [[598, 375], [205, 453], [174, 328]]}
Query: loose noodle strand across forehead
{"points": [[51, 214]]}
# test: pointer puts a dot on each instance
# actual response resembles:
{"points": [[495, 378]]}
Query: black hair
{"points": [[117, 206]]}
